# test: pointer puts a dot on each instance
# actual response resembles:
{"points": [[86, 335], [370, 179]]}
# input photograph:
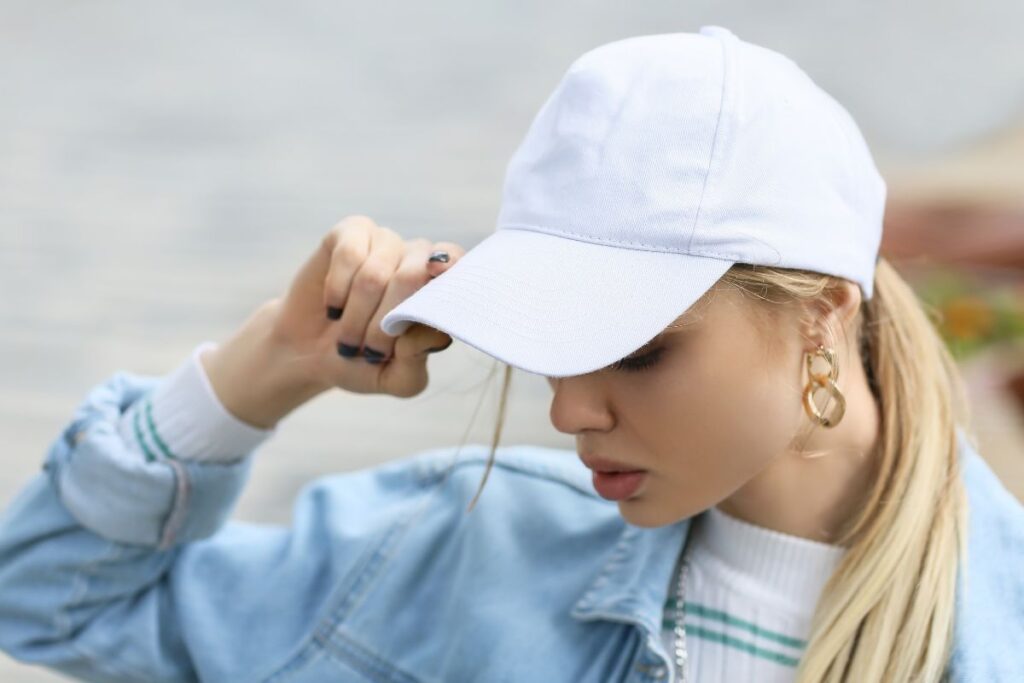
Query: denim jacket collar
{"points": [[633, 583]]}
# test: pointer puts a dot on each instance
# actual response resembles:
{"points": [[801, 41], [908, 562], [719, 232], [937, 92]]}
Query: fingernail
{"points": [[372, 356], [348, 351], [441, 256], [333, 313]]}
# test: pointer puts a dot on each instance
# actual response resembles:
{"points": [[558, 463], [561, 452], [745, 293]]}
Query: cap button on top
{"points": [[716, 31]]}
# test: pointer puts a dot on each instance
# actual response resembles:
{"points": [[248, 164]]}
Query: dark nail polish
{"points": [[441, 256], [372, 356], [348, 351], [333, 313]]}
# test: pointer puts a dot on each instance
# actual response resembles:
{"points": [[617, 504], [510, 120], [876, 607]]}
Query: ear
{"points": [[831, 315]]}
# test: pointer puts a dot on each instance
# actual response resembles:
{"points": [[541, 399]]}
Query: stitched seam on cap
{"points": [[714, 140], [620, 243]]}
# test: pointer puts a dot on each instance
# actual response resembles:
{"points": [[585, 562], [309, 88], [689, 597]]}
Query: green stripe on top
{"points": [[152, 430], [137, 424], [708, 613], [729, 641]]}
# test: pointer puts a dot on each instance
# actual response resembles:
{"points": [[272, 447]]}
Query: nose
{"points": [[578, 405]]}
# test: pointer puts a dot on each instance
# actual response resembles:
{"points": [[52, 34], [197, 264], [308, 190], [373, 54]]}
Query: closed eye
{"points": [[638, 363]]}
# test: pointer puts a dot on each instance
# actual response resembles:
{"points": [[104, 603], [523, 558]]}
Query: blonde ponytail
{"points": [[886, 614]]}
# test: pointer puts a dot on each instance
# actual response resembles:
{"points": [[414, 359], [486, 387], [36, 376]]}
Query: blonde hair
{"points": [[886, 614]]}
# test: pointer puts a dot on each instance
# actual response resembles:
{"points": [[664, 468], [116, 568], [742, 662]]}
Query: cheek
{"points": [[722, 424], [763, 411]]}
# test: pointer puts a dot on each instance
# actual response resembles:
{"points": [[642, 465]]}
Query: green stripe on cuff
{"points": [[137, 424], [708, 613], [152, 431]]}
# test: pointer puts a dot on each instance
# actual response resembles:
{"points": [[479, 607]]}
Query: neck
{"points": [[816, 497]]}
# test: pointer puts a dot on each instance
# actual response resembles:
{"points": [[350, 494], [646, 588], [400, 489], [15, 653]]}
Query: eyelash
{"points": [[638, 363]]}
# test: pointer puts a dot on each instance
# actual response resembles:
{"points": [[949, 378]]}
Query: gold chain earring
{"points": [[828, 382]]}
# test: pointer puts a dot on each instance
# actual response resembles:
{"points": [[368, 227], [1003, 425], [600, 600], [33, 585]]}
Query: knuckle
{"points": [[347, 252], [371, 278], [337, 231], [410, 277], [388, 233]]}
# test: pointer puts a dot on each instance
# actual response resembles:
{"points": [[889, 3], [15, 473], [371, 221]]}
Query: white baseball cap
{"points": [[657, 162]]}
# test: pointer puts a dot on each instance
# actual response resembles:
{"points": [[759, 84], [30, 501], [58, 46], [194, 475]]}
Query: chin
{"points": [[640, 512], [637, 513]]}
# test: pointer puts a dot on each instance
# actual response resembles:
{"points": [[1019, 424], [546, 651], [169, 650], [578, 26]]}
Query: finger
{"points": [[416, 341], [347, 246], [307, 294], [454, 251], [410, 275], [406, 374], [366, 288]]}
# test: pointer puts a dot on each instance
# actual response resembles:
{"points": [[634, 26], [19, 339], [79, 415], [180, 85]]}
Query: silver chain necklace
{"points": [[680, 630]]}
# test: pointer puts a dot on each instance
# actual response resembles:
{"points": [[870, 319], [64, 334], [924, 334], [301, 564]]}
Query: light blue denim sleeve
{"points": [[116, 569]]}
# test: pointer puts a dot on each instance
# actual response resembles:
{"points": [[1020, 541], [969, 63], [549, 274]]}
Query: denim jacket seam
{"points": [[80, 582], [274, 671], [362, 577], [53, 465], [120, 670], [348, 592], [179, 506], [294, 663], [544, 472], [80, 588], [372, 663]]}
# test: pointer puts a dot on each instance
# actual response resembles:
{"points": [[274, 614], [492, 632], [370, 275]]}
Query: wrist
{"points": [[183, 419], [254, 376]]}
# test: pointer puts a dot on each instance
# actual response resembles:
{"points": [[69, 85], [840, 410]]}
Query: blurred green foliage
{"points": [[971, 311]]}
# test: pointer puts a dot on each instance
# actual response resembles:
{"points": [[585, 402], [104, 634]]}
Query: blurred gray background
{"points": [[166, 168]]}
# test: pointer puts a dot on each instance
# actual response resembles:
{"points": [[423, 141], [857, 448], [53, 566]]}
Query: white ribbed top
{"points": [[789, 565], [750, 596]]}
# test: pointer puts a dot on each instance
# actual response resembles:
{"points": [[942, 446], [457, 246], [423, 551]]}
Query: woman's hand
{"points": [[289, 350]]}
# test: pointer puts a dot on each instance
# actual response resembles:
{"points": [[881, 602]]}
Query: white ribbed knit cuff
{"points": [[183, 418]]}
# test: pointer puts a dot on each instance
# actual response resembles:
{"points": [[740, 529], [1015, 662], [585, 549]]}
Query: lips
{"points": [[618, 485], [604, 465], [612, 479]]}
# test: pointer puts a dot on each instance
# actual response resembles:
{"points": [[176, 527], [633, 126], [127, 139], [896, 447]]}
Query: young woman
{"points": [[687, 251]]}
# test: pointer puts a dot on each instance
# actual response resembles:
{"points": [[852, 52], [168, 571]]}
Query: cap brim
{"points": [[556, 306]]}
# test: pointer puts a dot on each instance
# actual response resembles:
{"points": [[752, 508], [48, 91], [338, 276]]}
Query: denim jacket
{"points": [[115, 568]]}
